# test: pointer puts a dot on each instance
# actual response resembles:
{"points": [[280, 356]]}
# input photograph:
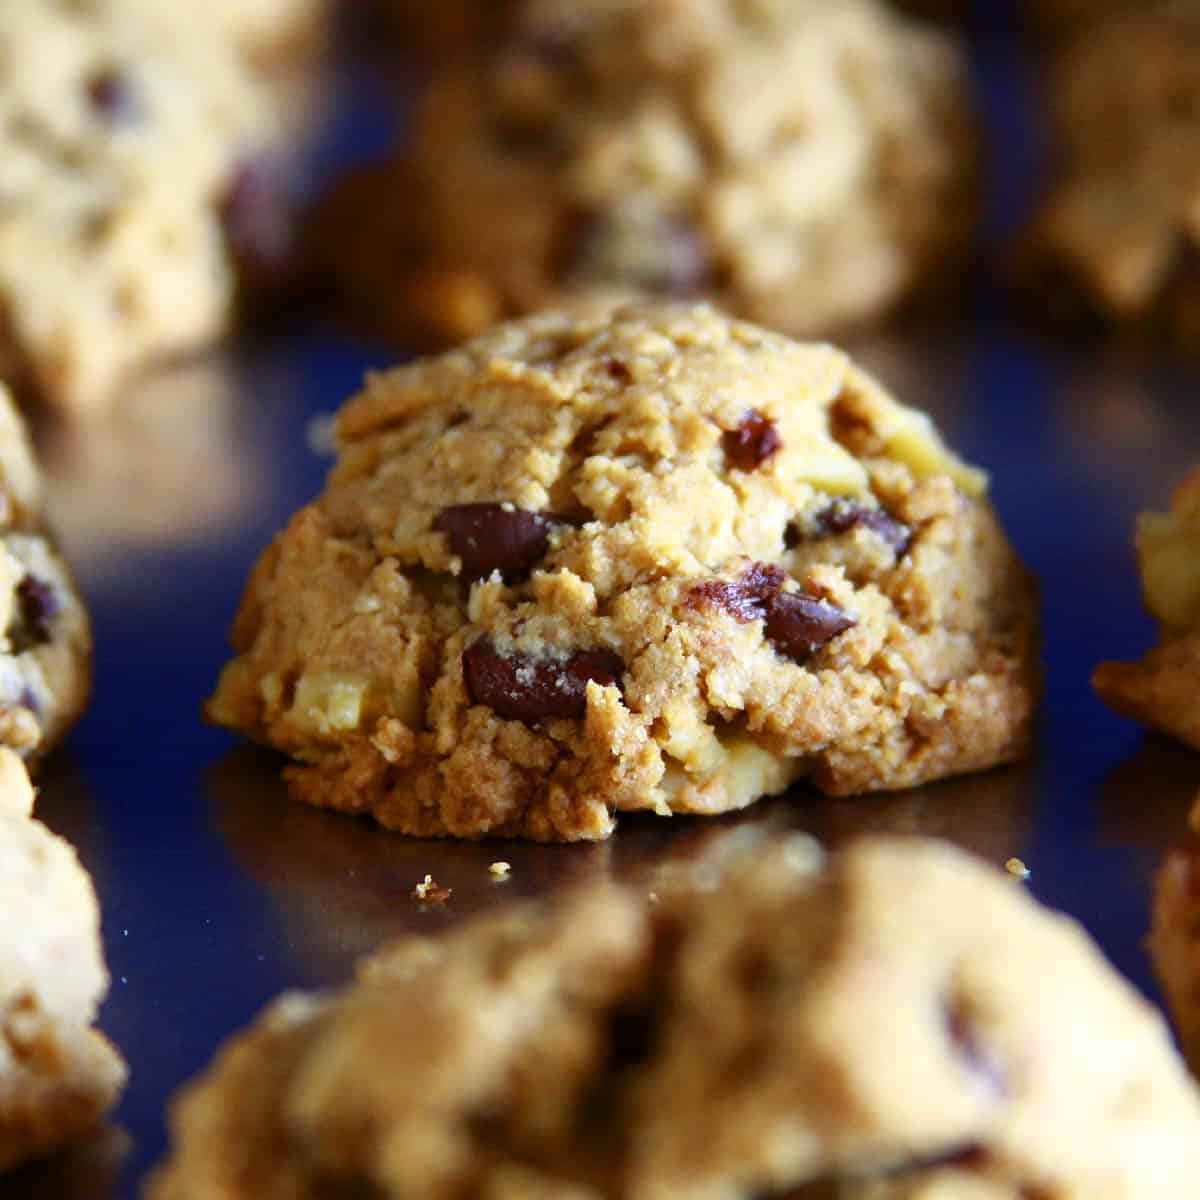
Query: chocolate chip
{"points": [[619, 371], [799, 626], [532, 690], [112, 94], [258, 218], [796, 624], [654, 252], [490, 537], [754, 441], [37, 606], [843, 515]]}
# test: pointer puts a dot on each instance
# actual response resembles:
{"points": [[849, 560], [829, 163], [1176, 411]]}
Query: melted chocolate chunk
{"points": [[37, 606], [796, 624], [490, 537], [533, 690], [843, 515], [753, 442], [656, 253], [112, 94], [799, 626]]}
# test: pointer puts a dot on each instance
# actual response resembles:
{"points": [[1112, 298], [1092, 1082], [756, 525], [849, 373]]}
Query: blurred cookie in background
{"points": [[1174, 943], [45, 634], [58, 1075], [736, 1035], [1115, 245], [1162, 689], [808, 165], [140, 166]]}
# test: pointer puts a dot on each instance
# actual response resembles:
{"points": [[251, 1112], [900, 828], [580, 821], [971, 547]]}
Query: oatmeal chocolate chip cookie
{"points": [[58, 1075], [1162, 690], [650, 558], [1175, 944], [807, 164], [1116, 242], [129, 134], [45, 635], [899, 1021]]}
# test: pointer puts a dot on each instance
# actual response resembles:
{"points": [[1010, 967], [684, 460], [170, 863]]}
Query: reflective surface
{"points": [[218, 893]]}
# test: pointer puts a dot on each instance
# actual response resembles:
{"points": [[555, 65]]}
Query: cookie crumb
{"points": [[429, 891], [500, 870], [1017, 869]]}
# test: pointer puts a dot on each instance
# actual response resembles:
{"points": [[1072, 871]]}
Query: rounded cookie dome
{"points": [[650, 558]]}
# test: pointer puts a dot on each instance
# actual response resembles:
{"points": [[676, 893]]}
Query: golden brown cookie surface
{"points": [[649, 559]]}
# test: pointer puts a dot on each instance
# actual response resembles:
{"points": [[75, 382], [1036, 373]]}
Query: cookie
{"points": [[58, 1075], [265, 29], [131, 138], [1162, 690], [807, 165], [1115, 244], [644, 559], [46, 643], [897, 1021], [1174, 944]]}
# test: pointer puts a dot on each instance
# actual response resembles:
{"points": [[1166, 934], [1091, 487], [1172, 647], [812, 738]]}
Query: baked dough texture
{"points": [[899, 1021], [131, 140], [1116, 244], [807, 165], [1162, 690], [58, 1075], [643, 559]]}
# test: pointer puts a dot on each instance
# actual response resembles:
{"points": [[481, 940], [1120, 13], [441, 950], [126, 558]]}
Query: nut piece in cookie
{"points": [[648, 558], [897, 1021], [58, 1075], [1162, 690], [1115, 243], [809, 166]]}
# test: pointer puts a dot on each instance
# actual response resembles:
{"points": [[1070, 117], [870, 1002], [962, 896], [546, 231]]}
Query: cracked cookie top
{"points": [[649, 558]]}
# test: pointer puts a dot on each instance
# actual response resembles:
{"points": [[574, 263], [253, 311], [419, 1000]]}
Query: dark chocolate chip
{"points": [[37, 606], [490, 537], [843, 515], [619, 371], [258, 217], [532, 690], [112, 94], [796, 624], [654, 252], [754, 441], [744, 599], [799, 626]]}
